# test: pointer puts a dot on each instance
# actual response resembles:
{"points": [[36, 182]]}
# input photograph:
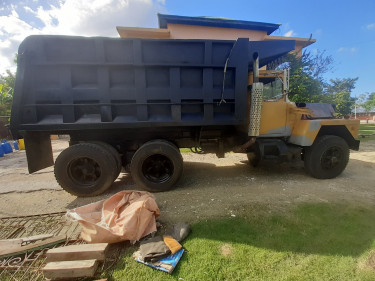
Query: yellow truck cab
{"points": [[287, 126]]}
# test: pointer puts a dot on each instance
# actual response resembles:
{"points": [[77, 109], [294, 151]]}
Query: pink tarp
{"points": [[127, 215]]}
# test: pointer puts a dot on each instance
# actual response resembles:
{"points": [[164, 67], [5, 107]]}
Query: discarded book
{"points": [[166, 264]]}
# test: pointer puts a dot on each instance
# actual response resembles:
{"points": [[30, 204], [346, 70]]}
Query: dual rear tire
{"points": [[85, 169], [157, 166], [88, 169]]}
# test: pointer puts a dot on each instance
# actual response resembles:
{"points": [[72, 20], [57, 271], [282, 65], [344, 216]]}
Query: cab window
{"points": [[273, 90]]}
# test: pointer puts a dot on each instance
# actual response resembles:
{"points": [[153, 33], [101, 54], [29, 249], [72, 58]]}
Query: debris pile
{"points": [[127, 215], [163, 252]]}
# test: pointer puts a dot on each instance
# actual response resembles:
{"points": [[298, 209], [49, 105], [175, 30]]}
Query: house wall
{"points": [[364, 116], [181, 31]]}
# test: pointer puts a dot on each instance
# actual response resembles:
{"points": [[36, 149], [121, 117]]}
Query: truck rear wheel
{"points": [[327, 157], [111, 150], [85, 169], [157, 166]]}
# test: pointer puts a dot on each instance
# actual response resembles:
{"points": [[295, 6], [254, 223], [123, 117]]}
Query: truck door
{"points": [[274, 108], [274, 119]]}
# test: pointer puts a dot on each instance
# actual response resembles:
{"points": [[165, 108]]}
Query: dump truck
{"points": [[134, 103]]}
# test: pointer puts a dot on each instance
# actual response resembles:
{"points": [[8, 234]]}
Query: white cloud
{"points": [[13, 30], [346, 49], [73, 17], [290, 33], [370, 26], [28, 9], [98, 17]]}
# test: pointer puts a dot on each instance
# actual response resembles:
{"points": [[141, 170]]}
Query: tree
{"points": [[338, 92], [345, 85], [7, 83], [368, 103], [344, 103], [306, 82]]}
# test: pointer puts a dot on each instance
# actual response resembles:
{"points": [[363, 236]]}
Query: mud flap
{"points": [[38, 151]]}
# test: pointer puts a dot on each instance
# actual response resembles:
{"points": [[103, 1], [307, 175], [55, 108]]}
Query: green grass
{"points": [[367, 129], [311, 242]]}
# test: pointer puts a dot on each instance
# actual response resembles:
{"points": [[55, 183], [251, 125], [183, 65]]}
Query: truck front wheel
{"points": [[327, 157], [85, 169], [156, 166], [254, 157]]}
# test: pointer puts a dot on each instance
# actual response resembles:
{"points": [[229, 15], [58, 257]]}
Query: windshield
{"points": [[273, 90]]}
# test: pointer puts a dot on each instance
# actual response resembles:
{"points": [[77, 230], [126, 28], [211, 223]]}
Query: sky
{"points": [[343, 29]]}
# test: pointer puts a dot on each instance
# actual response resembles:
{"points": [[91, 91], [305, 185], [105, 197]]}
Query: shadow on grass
{"points": [[328, 229]]}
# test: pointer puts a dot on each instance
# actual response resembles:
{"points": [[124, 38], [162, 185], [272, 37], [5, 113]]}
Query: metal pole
{"points": [[256, 68]]}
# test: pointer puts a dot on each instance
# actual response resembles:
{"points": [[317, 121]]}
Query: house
{"points": [[181, 27], [361, 114]]}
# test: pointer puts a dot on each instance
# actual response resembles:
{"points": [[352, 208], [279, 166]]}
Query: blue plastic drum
{"points": [[15, 145], [7, 147]]}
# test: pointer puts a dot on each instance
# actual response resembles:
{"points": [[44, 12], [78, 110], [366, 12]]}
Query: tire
{"points": [[113, 151], [85, 169], [156, 166], [254, 157], [327, 157]]}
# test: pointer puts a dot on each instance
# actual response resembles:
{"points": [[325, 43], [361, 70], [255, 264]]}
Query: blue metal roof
{"points": [[217, 22]]}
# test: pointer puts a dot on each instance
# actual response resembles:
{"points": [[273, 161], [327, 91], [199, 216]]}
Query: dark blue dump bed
{"points": [[72, 83]]}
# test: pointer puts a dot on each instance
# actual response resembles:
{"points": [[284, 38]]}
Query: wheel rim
{"points": [[84, 171], [157, 168], [331, 158]]}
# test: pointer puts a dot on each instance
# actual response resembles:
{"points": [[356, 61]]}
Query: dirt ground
{"points": [[210, 187]]}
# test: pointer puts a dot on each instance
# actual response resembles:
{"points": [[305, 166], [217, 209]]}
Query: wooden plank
{"points": [[27, 239], [78, 252], [17, 242], [36, 237], [32, 247], [9, 243], [70, 269]]}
